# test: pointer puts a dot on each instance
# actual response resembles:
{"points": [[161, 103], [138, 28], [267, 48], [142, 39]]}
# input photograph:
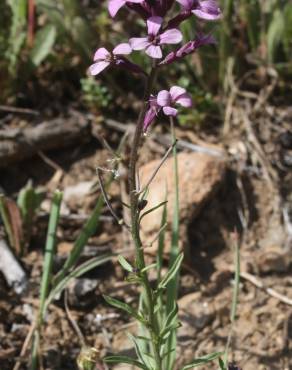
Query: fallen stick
{"points": [[11, 269], [167, 141], [259, 284], [18, 144]]}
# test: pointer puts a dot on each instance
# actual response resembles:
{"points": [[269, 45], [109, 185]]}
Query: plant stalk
{"points": [[135, 214]]}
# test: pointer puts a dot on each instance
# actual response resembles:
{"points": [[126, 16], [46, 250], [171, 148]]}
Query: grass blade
{"points": [[202, 360], [80, 270], [47, 270], [172, 287], [125, 264], [87, 231], [49, 251], [124, 307], [124, 360], [171, 275], [234, 297]]}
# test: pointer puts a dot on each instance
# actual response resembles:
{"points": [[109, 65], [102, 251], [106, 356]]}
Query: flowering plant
{"points": [[156, 348]]}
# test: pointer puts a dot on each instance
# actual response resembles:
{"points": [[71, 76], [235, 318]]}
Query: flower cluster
{"points": [[159, 33], [165, 101]]}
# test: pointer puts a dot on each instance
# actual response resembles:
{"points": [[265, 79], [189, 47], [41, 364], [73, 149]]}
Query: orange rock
{"points": [[199, 177]]}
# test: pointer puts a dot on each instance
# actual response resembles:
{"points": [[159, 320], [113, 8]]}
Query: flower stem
{"points": [[135, 227]]}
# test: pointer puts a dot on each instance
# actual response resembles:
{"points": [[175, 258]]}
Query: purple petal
{"points": [[186, 4], [163, 98], [122, 49], [154, 51], [184, 100], [208, 10], [185, 49], [153, 25], [172, 36], [149, 118], [176, 91], [169, 111], [101, 54], [114, 6], [98, 67], [153, 102], [139, 43]]}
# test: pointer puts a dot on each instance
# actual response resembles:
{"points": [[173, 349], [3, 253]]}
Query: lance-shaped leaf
{"points": [[44, 42], [125, 307], [125, 264], [221, 364], [202, 360], [87, 231], [139, 350], [170, 322], [79, 271], [167, 353], [124, 360], [153, 209], [171, 272]]}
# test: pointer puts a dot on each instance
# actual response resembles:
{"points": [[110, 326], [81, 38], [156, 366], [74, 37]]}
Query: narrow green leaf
{"points": [[169, 329], [171, 274], [49, 252], [17, 34], [161, 240], [287, 37], [87, 231], [124, 360], [167, 353], [125, 307], [175, 258], [125, 264], [275, 34], [28, 201], [234, 295], [44, 42], [149, 267], [202, 360], [221, 364], [170, 322], [139, 350], [152, 209], [79, 271], [149, 360], [146, 339], [142, 331]]}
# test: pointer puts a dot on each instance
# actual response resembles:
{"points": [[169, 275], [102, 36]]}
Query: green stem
{"points": [[135, 213], [172, 288]]}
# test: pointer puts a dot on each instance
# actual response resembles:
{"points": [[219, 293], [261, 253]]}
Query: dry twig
{"points": [[259, 284]]}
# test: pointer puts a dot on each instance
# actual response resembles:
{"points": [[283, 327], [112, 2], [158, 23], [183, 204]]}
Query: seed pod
{"points": [[87, 358], [142, 204]]}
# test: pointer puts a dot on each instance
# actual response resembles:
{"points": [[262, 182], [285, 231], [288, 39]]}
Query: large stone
{"points": [[199, 176]]}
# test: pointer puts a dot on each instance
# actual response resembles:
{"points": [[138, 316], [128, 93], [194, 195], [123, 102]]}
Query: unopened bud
{"points": [[142, 204]]}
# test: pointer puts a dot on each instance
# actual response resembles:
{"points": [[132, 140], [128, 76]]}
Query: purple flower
{"points": [[188, 48], [151, 43], [103, 58], [165, 101], [176, 95], [205, 9], [115, 5]]}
